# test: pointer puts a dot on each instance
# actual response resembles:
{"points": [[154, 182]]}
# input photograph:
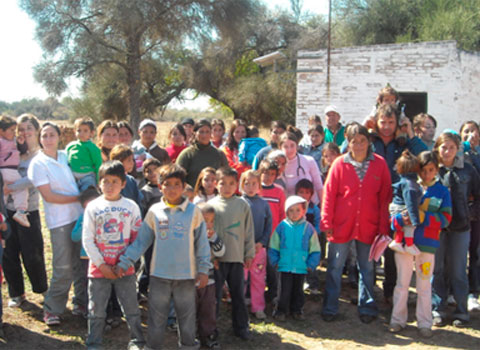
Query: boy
{"points": [[181, 258], [206, 315], [84, 157], [275, 197], [110, 225], [151, 193], [304, 189], [292, 258], [234, 225]]}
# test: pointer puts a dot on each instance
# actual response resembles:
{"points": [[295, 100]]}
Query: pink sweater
{"points": [[9, 154], [353, 209]]}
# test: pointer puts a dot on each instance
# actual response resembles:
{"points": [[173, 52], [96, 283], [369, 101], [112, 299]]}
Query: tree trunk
{"points": [[134, 82]]}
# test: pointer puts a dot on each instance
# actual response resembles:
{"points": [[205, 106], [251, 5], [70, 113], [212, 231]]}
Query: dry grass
{"points": [[25, 330]]}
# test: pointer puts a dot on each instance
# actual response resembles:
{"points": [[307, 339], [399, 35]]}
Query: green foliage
{"points": [[49, 108]]}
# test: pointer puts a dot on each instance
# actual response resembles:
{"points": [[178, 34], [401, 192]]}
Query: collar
{"points": [[459, 163], [299, 222], [182, 206], [427, 184], [349, 159]]}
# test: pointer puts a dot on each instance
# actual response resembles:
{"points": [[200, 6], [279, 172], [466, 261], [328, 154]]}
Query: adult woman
{"points": [[50, 174], [218, 131], [125, 133], [299, 167], [201, 153], [424, 126], [238, 131], [107, 137], [25, 242], [354, 210], [464, 183]]}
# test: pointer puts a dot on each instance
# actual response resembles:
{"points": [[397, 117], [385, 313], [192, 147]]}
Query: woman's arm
{"points": [[57, 198]]}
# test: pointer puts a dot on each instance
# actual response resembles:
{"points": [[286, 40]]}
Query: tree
{"points": [[136, 37]]}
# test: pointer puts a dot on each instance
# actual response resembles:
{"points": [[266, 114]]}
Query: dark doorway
{"points": [[415, 103]]}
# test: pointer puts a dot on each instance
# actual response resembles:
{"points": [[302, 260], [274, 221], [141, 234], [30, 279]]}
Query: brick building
{"points": [[433, 77]]}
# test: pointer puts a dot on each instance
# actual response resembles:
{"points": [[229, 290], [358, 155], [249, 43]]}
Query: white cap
{"points": [[331, 108], [292, 200], [147, 122]]}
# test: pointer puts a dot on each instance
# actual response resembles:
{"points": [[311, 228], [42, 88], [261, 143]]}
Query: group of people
{"points": [[211, 217]]}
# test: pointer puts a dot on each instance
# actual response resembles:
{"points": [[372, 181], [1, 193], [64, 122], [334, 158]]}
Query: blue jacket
{"points": [[407, 192], [313, 216], [294, 247], [261, 155], [249, 147], [315, 152], [131, 191], [262, 218], [77, 235]]}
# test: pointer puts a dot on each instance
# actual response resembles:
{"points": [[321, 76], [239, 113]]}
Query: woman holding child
{"points": [[50, 174], [354, 211], [23, 241]]}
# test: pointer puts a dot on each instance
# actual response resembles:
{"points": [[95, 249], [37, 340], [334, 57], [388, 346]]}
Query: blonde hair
{"points": [[248, 174]]}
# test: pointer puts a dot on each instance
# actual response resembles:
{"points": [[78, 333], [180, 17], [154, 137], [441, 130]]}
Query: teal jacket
{"points": [[294, 247]]}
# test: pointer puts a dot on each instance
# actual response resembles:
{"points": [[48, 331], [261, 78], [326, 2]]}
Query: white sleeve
{"points": [[88, 236], [37, 173]]}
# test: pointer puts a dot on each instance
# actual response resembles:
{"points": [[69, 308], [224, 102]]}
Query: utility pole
{"points": [[329, 48]]}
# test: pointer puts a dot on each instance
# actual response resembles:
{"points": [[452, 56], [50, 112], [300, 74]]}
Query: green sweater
{"points": [[196, 157], [84, 157], [234, 226]]}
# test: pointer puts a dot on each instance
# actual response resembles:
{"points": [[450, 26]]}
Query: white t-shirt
{"points": [[45, 170]]}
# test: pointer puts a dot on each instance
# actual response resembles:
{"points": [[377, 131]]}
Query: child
{"points": [[275, 196], [111, 224], [181, 258], [304, 189], [262, 222], [124, 154], [84, 157], [234, 225], [85, 197], [9, 161], [437, 205], [150, 191], [218, 132], [205, 188], [279, 157], [189, 193], [249, 146], [330, 152], [316, 135], [177, 137], [407, 195], [295, 250], [206, 301]]}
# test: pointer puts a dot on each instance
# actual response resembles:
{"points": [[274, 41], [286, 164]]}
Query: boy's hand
{"points": [[248, 263], [258, 246], [202, 280], [117, 270], [107, 271], [3, 226]]}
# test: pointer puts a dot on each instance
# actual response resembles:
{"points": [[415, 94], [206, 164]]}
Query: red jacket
{"points": [[356, 210], [233, 162]]}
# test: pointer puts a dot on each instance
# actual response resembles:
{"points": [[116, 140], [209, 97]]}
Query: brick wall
{"points": [[449, 76]]}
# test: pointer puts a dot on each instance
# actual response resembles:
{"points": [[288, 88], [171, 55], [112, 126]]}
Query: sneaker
{"points": [[412, 250], [172, 327], [315, 291], [473, 304], [439, 321], [395, 328], [210, 342], [50, 319], [458, 323], [16, 301], [425, 332], [79, 310], [260, 315], [21, 217], [397, 246]]}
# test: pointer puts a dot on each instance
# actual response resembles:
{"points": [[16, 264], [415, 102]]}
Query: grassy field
{"points": [[25, 329]]}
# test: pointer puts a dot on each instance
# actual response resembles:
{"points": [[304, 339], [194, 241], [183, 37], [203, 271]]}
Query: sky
{"points": [[21, 53]]}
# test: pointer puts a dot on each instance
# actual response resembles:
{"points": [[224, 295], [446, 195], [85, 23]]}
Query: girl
{"points": [[406, 199], [463, 181], [299, 167], [314, 149], [206, 186], [50, 174], [238, 131], [330, 152], [177, 137], [437, 206], [218, 131], [262, 222], [107, 137]]}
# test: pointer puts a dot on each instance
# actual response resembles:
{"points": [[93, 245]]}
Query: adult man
{"points": [[334, 131]]}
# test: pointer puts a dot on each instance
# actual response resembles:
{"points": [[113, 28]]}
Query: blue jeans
{"points": [[99, 290], [161, 292], [451, 261], [337, 254], [86, 180]]}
